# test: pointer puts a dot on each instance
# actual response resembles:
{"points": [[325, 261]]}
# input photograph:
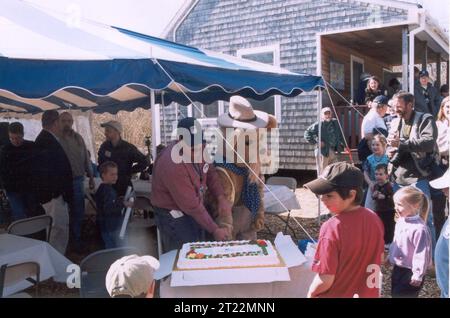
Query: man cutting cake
{"points": [[180, 179]]}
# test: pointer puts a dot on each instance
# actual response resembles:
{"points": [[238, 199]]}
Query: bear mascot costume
{"points": [[239, 160]]}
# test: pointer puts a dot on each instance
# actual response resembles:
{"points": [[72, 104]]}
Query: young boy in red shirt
{"points": [[350, 247]]}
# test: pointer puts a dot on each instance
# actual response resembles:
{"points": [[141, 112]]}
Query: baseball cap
{"points": [[336, 175], [131, 275], [381, 100], [195, 130], [442, 182], [423, 73], [325, 109], [113, 124]]}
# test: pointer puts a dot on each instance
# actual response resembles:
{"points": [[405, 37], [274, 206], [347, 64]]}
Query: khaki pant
{"points": [[322, 161], [369, 203], [59, 235]]}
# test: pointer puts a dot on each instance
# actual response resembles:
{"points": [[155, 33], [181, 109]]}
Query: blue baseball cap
{"points": [[381, 100], [192, 125], [423, 73]]}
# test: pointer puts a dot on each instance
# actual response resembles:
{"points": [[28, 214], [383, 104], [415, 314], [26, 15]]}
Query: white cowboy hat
{"points": [[242, 115], [442, 182]]}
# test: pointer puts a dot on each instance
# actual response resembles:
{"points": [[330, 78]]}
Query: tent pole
{"points": [[156, 124], [319, 151], [164, 117]]}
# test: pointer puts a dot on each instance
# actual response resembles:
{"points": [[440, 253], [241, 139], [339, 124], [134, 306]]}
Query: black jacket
{"points": [[52, 175], [128, 159], [15, 166], [426, 100]]}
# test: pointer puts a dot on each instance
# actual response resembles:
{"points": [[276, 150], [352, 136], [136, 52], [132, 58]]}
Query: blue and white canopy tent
{"points": [[48, 63], [51, 61]]}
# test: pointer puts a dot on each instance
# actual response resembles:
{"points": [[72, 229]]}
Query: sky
{"points": [[145, 16], [152, 16], [438, 9]]}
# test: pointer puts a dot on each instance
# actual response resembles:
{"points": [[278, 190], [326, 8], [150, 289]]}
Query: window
{"points": [[268, 55], [208, 111]]}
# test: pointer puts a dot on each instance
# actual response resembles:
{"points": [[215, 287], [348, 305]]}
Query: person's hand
{"points": [[390, 152], [415, 283], [258, 224], [394, 141], [224, 206], [372, 186], [221, 234], [128, 204], [322, 144], [91, 183], [381, 196]]}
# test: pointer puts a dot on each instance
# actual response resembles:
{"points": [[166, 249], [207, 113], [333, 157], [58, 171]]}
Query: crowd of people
{"points": [[47, 176], [388, 206], [405, 145]]}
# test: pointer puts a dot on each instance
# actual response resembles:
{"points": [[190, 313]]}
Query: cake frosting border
{"points": [[272, 258]]}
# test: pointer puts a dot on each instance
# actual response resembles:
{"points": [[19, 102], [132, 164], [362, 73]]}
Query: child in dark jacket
{"points": [[383, 197], [109, 207]]}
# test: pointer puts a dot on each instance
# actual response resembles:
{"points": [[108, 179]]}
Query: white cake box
{"points": [[229, 276], [237, 275]]}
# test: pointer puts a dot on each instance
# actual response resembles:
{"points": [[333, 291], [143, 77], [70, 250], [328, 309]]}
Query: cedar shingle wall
{"points": [[229, 25]]}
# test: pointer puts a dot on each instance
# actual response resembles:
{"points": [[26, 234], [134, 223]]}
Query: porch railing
{"points": [[351, 118]]}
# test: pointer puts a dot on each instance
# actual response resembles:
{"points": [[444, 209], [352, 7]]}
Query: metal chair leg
{"points": [[287, 225]]}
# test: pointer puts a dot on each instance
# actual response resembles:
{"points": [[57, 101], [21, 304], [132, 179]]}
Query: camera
{"points": [[397, 159]]}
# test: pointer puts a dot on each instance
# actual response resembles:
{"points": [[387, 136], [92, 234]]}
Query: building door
{"points": [[357, 66]]}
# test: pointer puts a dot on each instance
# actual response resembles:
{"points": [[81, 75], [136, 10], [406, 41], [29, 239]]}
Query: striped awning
{"points": [[48, 63]]}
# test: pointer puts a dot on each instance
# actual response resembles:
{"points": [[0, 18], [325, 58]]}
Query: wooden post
{"points": [[405, 82], [438, 71], [447, 78], [424, 56]]}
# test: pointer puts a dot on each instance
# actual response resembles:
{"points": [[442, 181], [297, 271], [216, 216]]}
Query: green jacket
{"points": [[330, 134]]}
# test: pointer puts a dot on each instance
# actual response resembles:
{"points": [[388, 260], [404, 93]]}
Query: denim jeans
{"points": [[177, 231], [110, 226], [17, 204], [77, 210], [400, 283], [23, 205], [441, 260], [424, 186]]}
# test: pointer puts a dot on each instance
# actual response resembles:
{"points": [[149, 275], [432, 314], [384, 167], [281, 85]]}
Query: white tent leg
{"points": [[156, 123], [319, 153]]}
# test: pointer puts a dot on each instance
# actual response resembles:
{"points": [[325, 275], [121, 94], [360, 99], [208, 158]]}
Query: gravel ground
{"points": [[52, 289]]}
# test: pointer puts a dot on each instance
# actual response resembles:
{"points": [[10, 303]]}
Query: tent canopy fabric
{"points": [[48, 63]]}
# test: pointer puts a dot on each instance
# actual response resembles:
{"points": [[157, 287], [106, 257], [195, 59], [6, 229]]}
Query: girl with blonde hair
{"points": [[410, 251]]}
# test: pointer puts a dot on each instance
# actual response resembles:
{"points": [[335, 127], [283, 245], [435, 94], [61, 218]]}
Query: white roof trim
{"points": [[391, 3], [439, 41], [179, 17], [369, 27]]}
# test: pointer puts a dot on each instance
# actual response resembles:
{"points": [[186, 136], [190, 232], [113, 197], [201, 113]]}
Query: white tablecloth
{"points": [[279, 193], [16, 249], [301, 278]]}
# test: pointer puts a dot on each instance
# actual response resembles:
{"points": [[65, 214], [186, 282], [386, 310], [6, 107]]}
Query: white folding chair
{"points": [[291, 183], [14, 274], [30, 226], [93, 269]]}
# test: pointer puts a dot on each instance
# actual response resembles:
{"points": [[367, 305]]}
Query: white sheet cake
{"points": [[201, 255]]}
